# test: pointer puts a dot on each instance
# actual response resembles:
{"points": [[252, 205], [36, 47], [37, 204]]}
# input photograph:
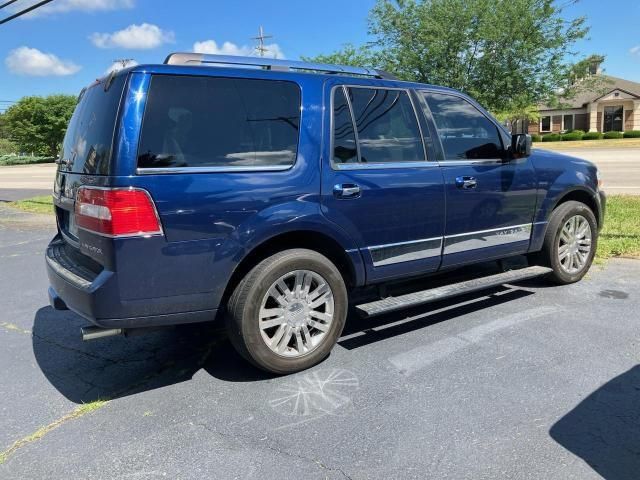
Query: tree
{"points": [[38, 124], [508, 54]]}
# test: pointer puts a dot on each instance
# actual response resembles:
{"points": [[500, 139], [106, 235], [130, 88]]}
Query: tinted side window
{"points": [[344, 137], [464, 131], [219, 122], [386, 125]]}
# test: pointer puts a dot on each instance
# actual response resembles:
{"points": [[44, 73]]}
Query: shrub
{"points": [[536, 138], [16, 160], [580, 132], [632, 134], [592, 136], [613, 135], [552, 137], [571, 137], [7, 147]]}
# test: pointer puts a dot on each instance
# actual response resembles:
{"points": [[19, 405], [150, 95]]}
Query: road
{"points": [[18, 182], [524, 382], [620, 168]]}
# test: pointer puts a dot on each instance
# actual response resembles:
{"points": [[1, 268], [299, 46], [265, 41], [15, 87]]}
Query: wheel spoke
{"points": [[288, 294], [299, 344], [320, 326], [286, 338], [265, 324], [325, 317]]}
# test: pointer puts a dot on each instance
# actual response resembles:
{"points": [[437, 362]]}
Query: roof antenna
{"points": [[260, 48]]}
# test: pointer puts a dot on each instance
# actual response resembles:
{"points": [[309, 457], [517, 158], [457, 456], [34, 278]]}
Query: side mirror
{"points": [[520, 145]]}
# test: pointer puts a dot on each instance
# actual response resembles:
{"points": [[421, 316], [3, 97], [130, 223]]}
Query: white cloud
{"points": [[61, 6], [139, 37], [228, 48], [115, 66], [635, 50], [33, 62]]}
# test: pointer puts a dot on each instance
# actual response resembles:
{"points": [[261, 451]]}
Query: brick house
{"points": [[618, 109]]}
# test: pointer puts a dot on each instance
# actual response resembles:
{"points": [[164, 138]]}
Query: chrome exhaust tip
{"points": [[93, 333]]}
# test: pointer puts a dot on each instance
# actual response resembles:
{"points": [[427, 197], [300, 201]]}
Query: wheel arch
{"points": [[352, 272]]}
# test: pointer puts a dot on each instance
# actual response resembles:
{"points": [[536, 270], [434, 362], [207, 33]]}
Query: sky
{"points": [[65, 45]]}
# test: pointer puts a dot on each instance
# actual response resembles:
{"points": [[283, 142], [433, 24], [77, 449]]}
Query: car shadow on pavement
{"points": [[115, 367], [604, 429]]}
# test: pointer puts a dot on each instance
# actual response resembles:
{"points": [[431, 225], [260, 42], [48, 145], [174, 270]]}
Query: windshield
{"points": [[88, 142]]}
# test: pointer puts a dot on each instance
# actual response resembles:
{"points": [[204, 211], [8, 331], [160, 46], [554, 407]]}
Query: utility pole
{"points": [[260, 48], [123, 61]]}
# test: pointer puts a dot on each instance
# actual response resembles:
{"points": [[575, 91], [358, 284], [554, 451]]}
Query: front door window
{"points": [[613, 118]]}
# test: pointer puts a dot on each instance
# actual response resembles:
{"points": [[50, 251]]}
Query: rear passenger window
{"points": [[466, 134], [219, 122], [386, 126], [344, 137]]}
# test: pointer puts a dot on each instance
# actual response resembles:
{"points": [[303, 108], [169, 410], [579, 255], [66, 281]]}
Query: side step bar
{"points": [[401, 302]]}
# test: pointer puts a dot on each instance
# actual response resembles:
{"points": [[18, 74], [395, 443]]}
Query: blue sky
{"points": [[70, 42]]}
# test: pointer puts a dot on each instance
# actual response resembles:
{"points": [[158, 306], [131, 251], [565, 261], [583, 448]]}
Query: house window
{"points": [[612, 120], [567, 122], [545, 124]]}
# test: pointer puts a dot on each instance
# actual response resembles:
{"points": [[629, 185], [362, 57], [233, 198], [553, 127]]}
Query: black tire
{"points": [[549, 257], [244, 306]]}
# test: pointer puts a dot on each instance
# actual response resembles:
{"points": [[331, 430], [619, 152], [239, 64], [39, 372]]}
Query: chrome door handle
{"points": [[466, 182], [346, 190]]}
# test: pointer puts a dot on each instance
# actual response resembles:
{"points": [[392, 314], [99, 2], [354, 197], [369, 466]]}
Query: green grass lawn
{"points": [[42, 204], [620, 235], [621, 232]]}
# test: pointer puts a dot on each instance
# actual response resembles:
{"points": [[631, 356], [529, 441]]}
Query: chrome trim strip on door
{"points": [[463, 242], [405, 252], [392, 253]]}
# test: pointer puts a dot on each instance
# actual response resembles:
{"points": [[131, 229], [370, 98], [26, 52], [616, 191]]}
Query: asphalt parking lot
{"points": [[524, 382]]}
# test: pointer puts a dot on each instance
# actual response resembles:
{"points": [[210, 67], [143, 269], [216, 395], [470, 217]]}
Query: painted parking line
{"points": [[418, 358]]}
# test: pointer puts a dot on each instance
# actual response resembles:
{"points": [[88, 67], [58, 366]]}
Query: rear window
{"points": [[219, 122], [88, 142]]}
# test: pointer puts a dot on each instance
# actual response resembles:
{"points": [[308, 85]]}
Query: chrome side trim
{"points": [[488, 161], [405, 252], [487, 238], [382, 166], [227, 169], [391, 253]]}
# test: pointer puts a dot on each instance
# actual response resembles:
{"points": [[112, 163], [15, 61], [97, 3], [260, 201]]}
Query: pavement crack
{"points": [[42, 431], [253, 442]]}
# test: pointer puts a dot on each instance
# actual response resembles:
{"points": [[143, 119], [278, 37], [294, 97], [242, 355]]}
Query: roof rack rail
{"points": [[180, 58]]}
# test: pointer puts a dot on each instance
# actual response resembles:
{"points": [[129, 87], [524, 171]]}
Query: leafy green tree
{"points": [[508, 54], [38, 124]]}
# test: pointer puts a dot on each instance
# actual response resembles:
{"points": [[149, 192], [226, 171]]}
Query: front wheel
{"points": [[570, 242], [287, 313]]}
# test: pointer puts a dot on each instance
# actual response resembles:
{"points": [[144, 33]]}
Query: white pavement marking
{"points": [[418, 358]]}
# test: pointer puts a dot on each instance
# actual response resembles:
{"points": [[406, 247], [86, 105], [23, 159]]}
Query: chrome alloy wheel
{"points": [[296, 313], [574, 244]]}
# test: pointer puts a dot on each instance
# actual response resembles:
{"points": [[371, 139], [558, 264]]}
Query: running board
{"points": [[392, 304]]}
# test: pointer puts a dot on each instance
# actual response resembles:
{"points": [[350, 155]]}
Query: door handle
{"points": [[466, 182], [346, 190]]}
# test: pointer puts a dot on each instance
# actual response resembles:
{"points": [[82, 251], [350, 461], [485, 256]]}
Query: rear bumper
{"points": [[95, 296]]}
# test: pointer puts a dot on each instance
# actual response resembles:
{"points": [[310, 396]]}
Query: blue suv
{"points": [[271, 192]]}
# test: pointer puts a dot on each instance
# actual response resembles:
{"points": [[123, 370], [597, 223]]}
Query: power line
{"points": [[26, 10], [8, 3]]}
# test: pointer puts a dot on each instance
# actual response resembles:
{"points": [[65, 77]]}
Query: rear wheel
{"points": [[570, 242], [288, 312]]}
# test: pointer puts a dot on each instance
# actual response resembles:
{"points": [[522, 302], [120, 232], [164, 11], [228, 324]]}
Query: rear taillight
{"points": [[117, 212]]}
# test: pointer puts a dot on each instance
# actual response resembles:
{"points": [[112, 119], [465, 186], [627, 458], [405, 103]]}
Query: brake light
{"points": [[117, 212]]}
